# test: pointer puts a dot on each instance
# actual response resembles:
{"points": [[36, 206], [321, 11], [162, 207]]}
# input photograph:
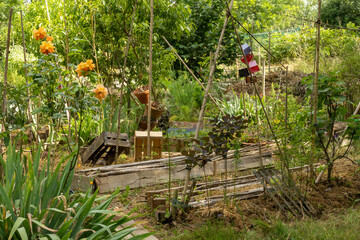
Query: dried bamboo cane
{"points": [[6, 70], [150, 76], [122, 84]]}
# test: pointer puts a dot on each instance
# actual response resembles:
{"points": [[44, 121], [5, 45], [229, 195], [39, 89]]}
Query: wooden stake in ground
{"points": [[150, 76], [269, 50], [67, 103], [25, 68], [47, 10], [6, 70], [315, 92], [122, 84], [212, 71], [263, 80], [211, 75]]}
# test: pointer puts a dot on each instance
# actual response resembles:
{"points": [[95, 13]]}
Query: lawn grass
{"points": [[336, 227], [344, 226]]}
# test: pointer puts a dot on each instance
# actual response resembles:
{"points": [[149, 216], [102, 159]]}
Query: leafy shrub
{"points": [[185, 97]]}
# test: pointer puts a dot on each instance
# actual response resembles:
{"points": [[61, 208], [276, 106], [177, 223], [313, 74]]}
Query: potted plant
{"points": [[143, 123], [156, 110], [142, 93]]}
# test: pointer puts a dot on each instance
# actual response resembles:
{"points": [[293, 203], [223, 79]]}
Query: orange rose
{"points": [[100, 92], [46, 48], [39, 34], [84, 67]]}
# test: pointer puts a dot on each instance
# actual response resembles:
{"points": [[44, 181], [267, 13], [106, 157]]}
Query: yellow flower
{"points": [[39, 34], [46, 48], [49, 39], [84, 67], [79, 165], [100, 92], [91, 183]]}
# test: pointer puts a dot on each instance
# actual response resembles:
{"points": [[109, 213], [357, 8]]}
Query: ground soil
{"points": [[327, 197]]}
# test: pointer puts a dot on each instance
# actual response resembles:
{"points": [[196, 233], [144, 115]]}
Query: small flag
{"points": [[244, 72], [253, 67], [249, 57], [246, 48]]}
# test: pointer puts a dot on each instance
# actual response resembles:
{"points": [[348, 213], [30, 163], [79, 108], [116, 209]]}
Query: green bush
{"points": [[185, 97]]}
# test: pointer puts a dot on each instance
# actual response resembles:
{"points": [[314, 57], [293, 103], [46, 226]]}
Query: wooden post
{"points": [[315, 91], [25, 68], [258, 133], [173, 208], [6, 70], [150, 74], [47, 10], [259, 54], [122, 86], [252, 31], [269, 50], [263, 80], [67, 104]]}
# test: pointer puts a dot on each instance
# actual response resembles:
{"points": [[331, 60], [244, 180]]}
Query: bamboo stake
{"points": [[258, 134], [47, 10], [211, 75], [191, 72], [122, 84], [6, 71], [150, 75], [315, 92], [94, 43], [25, 68], [68, 113], [263, 79], [269, 50], [212, 71]]}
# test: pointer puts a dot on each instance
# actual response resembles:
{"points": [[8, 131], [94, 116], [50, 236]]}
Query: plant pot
{"points": [[156, 110], [142, 94], [143, 123]]}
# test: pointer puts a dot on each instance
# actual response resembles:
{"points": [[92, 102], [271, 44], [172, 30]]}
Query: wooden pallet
{"points": [[104, 147]]}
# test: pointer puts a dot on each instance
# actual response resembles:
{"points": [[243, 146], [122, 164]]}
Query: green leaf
{"points": [[23, 233], [15, 227]]}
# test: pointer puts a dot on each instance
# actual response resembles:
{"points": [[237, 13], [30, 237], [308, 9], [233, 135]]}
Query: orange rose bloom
{"points": [[46, 48], [39, 34], [84, 67], [49, 39], [100, 92]]}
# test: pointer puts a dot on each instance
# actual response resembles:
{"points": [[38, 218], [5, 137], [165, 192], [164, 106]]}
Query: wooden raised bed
{"points": [[152, 172]]}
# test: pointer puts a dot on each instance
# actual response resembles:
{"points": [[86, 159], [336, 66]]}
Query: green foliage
{"points": [[331, 105], [37, 204], [233, 106], [225, 129], [185, 97], [340, 12]]}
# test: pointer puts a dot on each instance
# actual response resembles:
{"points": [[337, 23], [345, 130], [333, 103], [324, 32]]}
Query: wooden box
{"points": [[140, 142]]}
